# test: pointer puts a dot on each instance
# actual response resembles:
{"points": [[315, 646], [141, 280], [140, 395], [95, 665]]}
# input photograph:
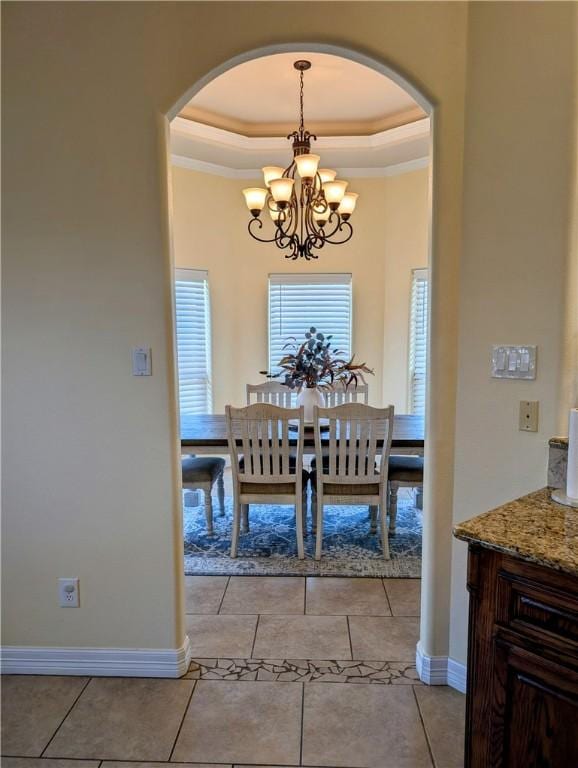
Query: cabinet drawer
{"points": [[538, 611]]}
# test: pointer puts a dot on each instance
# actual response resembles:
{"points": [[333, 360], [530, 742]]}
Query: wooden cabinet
{"points": [[522, 701]]}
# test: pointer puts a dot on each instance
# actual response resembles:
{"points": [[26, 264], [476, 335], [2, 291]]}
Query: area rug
{"points": [[269, 549]]}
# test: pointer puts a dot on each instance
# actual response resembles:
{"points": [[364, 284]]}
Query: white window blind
{"points": [[418, 340], [299, 302], [193, 340]]}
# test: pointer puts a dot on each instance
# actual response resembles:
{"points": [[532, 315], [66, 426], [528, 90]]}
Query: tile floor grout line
{"points": [[387, 597], [182, 720], [427, 741], [255, 635], [349, 636], [223, 596], [84, 687], [302, 722], [65, 759]]}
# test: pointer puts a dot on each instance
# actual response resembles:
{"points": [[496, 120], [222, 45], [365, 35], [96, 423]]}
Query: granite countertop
{"points": [[533, 528], [558, 442]]}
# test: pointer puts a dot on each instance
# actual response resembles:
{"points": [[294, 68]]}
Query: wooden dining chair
{"points": [[339, 394], [402, 472], [270, 392], [265, 470], [201, 473], [355, 468]]}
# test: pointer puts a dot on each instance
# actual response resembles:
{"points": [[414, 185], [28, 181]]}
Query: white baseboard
{"points": [[103, 662], [457, 675], [440, 670]]}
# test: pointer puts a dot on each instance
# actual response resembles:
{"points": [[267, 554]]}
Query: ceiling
{"points": [[239, 121]]}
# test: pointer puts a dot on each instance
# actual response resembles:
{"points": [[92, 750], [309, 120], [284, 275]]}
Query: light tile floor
{"points": [[264, 649]]}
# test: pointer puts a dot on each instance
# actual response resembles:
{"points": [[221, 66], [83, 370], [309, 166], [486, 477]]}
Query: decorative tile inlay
{"points": [[304, 671]]}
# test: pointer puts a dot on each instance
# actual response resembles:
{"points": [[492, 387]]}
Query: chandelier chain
{"points": [[301, 123]]}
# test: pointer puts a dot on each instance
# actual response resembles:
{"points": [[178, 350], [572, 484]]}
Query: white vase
{"points": [[308, 398]]}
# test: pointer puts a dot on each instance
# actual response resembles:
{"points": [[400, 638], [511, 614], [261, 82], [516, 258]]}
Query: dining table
{"points": [[206, 434]]}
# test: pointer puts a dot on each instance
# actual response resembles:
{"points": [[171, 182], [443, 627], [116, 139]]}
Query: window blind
{"points": [[193, 340], [418, 340], [299, 302]]}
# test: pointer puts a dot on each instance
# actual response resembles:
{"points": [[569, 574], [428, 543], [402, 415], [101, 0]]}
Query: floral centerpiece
{"points": [[313, 365]]}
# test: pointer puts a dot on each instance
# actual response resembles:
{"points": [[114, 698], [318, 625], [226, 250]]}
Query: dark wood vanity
{"points": [[522, 699]]}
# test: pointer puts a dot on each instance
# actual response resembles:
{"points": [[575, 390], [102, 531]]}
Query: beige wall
{"points": [[406, 220], [390, 238], [517, 193], [87, 275]]}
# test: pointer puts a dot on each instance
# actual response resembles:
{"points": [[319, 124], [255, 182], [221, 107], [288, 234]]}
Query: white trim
{"points": [[213, 168], [388, 138], [310, 278], [396, 169], [440, 670], [409, 165], [432, 670], [457, 675], [185, 274], [106, 662]]}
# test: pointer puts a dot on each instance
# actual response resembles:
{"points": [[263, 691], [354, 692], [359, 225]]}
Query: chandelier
{"points": [[308, 206]]}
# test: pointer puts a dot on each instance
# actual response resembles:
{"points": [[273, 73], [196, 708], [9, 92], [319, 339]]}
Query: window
{"points": [[193, 340], [297, 302], [418, 340]]}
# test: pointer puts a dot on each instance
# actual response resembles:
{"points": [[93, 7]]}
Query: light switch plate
{"points": [[141, 361], [513, 362], [528, 415]]}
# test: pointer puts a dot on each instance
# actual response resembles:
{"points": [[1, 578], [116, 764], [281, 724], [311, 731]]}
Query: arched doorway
{"points": [[429, 528]]}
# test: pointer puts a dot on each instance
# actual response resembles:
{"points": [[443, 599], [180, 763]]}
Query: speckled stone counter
{"points": [[533, 528], [557, 462]]}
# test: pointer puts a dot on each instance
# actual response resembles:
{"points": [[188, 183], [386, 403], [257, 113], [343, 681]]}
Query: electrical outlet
{"points": [[528, 416], [68, 593]]}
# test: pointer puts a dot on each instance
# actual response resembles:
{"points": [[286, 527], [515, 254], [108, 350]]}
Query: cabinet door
{"points": [[535, 714]]}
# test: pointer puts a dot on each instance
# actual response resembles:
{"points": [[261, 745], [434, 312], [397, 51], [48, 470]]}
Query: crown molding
{"points": [[190, 164], [391, 137], [213, 168]]}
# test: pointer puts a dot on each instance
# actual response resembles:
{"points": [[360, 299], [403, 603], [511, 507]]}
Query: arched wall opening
{"points": [[436, 521]]}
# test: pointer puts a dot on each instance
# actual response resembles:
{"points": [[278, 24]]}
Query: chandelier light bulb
{"points": [[282, 189], [307, 166], [347, 205], [255, 199], [275, 213], [308, 207], [334, 193], [271, 172], [321, 216], [326, 174]]}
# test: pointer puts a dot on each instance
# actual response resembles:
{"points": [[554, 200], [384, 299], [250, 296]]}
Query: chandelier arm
{"points": [[334, 220], [344, 225], [293, 216], [258, 224]]}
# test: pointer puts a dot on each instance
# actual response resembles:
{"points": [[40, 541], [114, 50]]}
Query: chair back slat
{"points": [[339, 394], [271, 392], [358, 436], [260, 433], [352, 456]]}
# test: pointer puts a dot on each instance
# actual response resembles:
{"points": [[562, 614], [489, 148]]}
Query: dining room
{"points": [[251, 316]]}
